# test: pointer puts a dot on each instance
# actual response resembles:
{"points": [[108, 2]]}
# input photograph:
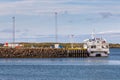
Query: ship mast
{"points": [[93, 34]]}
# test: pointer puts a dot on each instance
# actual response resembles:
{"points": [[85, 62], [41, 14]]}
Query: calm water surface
{"points": [[99, 68]]}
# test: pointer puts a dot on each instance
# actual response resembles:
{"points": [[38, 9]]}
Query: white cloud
{"points": [[37, 7], [110, 32]]}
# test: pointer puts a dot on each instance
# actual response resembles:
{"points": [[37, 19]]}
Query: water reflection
{"points": [[59, 61]]}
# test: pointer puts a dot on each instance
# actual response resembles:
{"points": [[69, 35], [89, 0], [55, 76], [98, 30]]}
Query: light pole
{"points": [[56, 27], [13, 31], [72, 41]]}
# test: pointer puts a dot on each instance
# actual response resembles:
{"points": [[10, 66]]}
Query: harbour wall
{"points": [[42, 53]]}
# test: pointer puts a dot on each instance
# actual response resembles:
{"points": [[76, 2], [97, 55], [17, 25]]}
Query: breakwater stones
{"points": [[41, 53]]}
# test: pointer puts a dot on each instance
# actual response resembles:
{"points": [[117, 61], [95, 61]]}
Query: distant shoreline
{"points": [[114, 45], [65, 45]]}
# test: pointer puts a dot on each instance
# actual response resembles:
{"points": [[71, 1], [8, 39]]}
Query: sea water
{"points": [[92, 68]]}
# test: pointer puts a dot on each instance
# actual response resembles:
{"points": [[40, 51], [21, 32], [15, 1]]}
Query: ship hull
{"points": [[95, 54], [98, 53]]}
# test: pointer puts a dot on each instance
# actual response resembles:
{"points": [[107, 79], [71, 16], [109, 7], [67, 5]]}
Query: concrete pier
{"points": [[77, 52], [42, 53]]}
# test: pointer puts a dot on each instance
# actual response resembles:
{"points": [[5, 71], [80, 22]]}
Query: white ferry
{"points": [[96, 47]]}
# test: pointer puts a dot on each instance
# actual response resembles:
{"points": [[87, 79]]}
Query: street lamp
{"points": [[56, 27], [72, 40], [13, 31]]}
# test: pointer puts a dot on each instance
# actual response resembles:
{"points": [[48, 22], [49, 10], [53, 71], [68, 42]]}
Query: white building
{"points": [[15, 45]]}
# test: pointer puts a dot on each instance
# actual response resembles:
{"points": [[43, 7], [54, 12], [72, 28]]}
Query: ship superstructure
{"points": [[96, 46]]}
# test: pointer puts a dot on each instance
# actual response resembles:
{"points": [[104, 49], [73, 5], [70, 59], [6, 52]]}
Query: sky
{"points": [[35, 20]]}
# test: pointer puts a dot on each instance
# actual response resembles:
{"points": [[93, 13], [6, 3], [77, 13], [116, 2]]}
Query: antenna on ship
{"points": [[93, 34]]}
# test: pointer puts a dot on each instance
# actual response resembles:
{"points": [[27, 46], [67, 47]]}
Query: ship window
{"points": [[93, 46], [107, 47], [92, 52], [97, 41], [89, 40], [104, 46], [103, 42]]}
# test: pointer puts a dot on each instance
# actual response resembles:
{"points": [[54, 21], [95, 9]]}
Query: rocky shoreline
{"points": [[41, 53]]}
